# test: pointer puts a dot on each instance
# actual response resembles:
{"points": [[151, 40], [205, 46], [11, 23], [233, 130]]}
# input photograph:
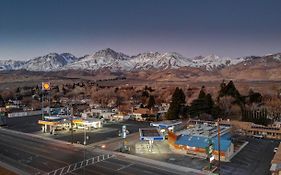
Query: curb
{"points": [[42, 137], [12, 169], [152, 162], [241, 147]]}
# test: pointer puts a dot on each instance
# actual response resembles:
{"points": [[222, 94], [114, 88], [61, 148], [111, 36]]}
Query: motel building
{"points": [[195, 140]]}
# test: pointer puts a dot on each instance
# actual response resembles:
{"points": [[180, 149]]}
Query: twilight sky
{"points": [[30, 28]]}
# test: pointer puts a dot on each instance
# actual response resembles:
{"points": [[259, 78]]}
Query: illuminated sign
{"points": [[124, 134], [212, 158], [46, 86]]}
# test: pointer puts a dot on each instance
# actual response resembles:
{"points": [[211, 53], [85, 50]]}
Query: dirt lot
{"points": [[4, 171]]}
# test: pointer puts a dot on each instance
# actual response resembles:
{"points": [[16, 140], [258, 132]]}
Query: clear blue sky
{"points": [[30, 28]]}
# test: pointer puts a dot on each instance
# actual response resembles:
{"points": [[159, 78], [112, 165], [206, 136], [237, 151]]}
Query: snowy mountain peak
{"points": [[147, 55], [277, 56], [49, 62], [117, 61], [11, 64], [109, 53]]}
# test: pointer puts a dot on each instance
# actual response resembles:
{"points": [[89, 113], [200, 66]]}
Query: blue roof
{"points": [[202, 142]]}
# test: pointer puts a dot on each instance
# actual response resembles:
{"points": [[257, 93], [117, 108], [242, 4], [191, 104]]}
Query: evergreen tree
{"points": [[2, 102], [145, 94], [18, 90], [203, 104], [178, 101], [255, 97], [202, 93], [197, 107], [151, 102], [209, 103], [230, 90]]}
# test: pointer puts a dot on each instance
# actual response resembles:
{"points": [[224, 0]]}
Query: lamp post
{"points": [[85, 135], [42, 104], [85, 143], [70, 114]]}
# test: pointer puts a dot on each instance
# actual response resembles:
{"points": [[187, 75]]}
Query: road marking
{"points": [[123, 167], [80, 164]]}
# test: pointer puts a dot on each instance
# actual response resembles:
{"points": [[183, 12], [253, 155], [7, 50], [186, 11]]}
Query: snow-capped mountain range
{"points": [[116, 61]]}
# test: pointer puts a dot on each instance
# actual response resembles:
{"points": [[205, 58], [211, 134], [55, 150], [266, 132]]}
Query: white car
{"points": [[258, 136], [275, 150]]}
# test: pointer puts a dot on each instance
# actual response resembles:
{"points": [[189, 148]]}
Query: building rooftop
{"points": [[276, 161], [203, 142], [150, 134], [145, 111], [166, 123], [204, 130]]}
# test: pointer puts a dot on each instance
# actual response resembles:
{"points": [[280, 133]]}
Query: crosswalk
{"points": [[78, 165]]}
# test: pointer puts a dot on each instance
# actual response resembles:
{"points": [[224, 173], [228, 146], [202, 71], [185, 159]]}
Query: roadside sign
{"points": [[212, 158], [124, 134], [46, 86]]}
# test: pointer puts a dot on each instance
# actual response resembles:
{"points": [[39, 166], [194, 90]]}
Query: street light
{"points": [[85, 142]]}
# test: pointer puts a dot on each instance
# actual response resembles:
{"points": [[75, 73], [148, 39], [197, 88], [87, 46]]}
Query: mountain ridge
{"points": [[118, 61]]}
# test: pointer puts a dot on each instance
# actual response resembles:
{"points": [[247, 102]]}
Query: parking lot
{"points": [[109, 130], [254, 158], [24, 124]]}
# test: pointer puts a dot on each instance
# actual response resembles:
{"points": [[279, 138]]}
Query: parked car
{"points": [[258, 136]]}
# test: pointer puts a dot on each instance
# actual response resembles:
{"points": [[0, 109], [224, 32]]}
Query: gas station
{"points": [[166, 126], [55, 121], [147, 138]]}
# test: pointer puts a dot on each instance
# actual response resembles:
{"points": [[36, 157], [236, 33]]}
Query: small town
{"points": [[205, 136], [140, 87]]}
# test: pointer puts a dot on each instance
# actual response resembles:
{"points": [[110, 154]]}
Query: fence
{"points": [[24, 114]]}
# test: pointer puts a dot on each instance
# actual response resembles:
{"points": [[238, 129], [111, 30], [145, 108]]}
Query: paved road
{"points": [[36, 155], [111, 130]]}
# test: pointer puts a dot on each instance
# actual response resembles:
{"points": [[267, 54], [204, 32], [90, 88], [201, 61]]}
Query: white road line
{"points": [[68, 168], [62, 170], [80, 164], [123, 167]]}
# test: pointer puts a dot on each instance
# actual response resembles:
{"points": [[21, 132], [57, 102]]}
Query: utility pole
{"points": [[85, 142], [219, 146], [71, 117], [42, 104], [85, 135], [49, 103]]}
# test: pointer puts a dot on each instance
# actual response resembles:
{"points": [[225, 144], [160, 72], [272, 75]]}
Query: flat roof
{"points": [[166, 123], [204, 130], [149, 132], [203, 142]]}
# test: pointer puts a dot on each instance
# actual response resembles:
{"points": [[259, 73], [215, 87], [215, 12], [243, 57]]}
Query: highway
{"points": [[35, 155]]}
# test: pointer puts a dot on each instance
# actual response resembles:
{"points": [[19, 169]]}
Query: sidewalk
{"points": [[41, 137], [154, 163], [6, 169]]}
